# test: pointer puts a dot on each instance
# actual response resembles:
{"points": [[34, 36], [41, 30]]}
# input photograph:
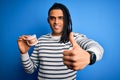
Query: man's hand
{"points": [[76, 58], [22, 44]]}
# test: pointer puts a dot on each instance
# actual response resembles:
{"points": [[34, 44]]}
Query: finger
{"points": [[66, 58], [69, 58], [67, 52], [24, 37], [27, 36], [19, 39], [72, 40], [67, 63]]}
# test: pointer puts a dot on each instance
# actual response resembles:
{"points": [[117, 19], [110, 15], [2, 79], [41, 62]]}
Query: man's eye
{"points": [[51, 18], [61, 17]]}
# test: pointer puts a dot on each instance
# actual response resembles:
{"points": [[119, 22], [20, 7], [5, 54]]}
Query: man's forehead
{"points": [[56, 12]]}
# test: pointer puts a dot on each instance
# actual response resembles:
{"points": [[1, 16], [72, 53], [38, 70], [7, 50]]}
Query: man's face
{"points": [[56, 21]]}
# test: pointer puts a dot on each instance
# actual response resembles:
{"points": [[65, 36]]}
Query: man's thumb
{"points": [[72, 40]]}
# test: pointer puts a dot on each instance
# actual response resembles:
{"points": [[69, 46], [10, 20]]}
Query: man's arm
{"points": [[79, 57], [29, 63], [90, 46]]}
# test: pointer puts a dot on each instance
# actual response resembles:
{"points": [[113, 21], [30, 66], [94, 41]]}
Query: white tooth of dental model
{"points": [[32, 40]]}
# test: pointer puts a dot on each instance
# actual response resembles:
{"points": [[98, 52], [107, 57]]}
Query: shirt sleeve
{"points": [[89, 45], [30, 63]]}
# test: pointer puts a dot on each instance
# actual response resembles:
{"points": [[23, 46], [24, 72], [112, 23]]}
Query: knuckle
{"points": [[64, 62], [75, 64], [75, 68], [78, 68], [74, 59], [74, 52]]}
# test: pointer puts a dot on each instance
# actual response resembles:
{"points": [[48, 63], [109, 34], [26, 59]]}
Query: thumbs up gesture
{"points": [[75, 58]]}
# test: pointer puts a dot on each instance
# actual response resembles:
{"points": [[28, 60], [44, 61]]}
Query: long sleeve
{"points": [[89, 45], [30, 63]]}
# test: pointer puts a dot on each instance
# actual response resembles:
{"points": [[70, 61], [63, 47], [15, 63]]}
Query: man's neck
{"points": [[53, 34]]}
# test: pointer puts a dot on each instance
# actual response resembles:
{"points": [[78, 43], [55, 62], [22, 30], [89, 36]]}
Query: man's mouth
{"points": [[56, 27]]}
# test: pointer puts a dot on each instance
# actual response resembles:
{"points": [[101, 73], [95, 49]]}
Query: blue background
{"points": [[98, 19]]}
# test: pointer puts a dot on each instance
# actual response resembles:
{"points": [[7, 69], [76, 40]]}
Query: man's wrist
{"points": [[92, 57], [25, 56]]}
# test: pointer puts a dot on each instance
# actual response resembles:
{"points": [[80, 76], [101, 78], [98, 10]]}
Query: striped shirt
{"points": [[48, 53]]}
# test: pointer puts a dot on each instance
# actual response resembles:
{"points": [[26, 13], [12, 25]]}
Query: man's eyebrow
{"points": [[54, 16], [60, 16], [51, 16]]}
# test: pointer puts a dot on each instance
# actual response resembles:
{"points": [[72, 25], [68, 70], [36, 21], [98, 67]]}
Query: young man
{"points": [[60, 53]]}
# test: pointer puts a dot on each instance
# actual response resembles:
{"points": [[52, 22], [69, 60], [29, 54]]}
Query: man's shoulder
{"points": [[77, 34]]}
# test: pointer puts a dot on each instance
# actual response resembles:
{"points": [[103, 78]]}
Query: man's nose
{"points": [[56, 20]]}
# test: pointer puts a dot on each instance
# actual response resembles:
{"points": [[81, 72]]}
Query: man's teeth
{"points": [[56, 26]]}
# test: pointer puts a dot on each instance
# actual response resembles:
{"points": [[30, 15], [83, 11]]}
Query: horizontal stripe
{"points": [[49, 52], [49, 43], [55, 49], [52, 45], [51, 61], [53, 65], [53, 69], [56, 73], [49, 55], [55, 76], [25, 60], [34, 58], [28, 66], [67, 71]]}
